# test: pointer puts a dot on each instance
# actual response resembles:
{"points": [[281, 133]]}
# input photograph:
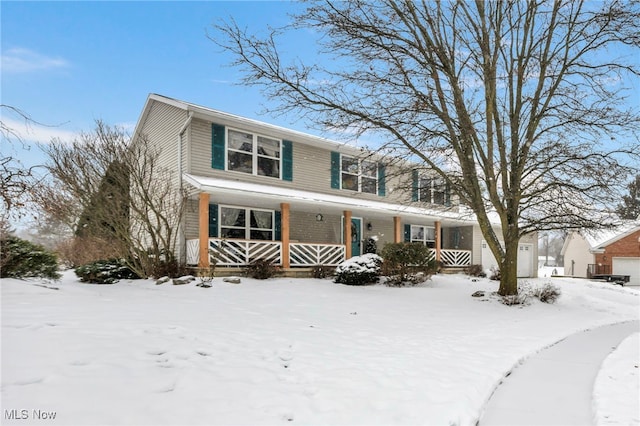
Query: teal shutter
{"points": [[407, 233], [335, 170], [447, 195], [277, 226], [217, 146], [287, 160], [213, 220], [381, 183], [414, 185]]}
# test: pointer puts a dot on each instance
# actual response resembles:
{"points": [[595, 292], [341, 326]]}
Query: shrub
{"points": [[495, 274], [475, 271], [21, 259], [261, 269], [407, 263], [370, 245], [548, 293], [359, 270], [79, 251], [170, 268], [107, 271], [321, 271]]}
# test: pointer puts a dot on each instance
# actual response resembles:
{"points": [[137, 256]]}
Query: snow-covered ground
{"points": [[285, 351]]}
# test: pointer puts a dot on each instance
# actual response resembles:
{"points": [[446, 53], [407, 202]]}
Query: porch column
{"points": [[203, 235], [347, 234], [397, 230], [438, 240], [284, 232]]}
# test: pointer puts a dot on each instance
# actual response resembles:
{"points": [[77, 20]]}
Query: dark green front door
{"points": [[356, 236]]}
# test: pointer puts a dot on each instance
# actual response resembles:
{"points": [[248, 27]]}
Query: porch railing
{"points": [[309, 254], [243, 252], [455, 257]]}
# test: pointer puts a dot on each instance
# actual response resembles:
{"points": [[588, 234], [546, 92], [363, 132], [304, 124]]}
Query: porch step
{"points": [[452, 270]]}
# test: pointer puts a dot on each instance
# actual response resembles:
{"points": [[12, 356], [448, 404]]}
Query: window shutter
{"points": [[381, 183], [287, 160], [335, 170], [213, 220], [414, 185], [217, 146], [277, 226], [447, 195], [407, 233]]}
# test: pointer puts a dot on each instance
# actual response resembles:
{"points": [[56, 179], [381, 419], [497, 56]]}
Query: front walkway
{"points": [[555, 386]]}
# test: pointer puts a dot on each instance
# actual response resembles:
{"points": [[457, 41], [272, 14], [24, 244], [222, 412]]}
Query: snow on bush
{"points": [[359, 270], [21, 259], [105, 272]]}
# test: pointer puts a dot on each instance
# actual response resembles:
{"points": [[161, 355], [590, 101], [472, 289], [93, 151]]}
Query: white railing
{"points": [[243, 252], [193, 252], [455, 257], [309, 254]]}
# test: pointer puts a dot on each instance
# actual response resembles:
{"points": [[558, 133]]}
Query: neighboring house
{"points": [[612, 251], [263, 191]]}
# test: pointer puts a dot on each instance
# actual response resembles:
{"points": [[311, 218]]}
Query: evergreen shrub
{"points": [[107, 271], [359, 270], [21, 259], [407, 263], [261, 269]]}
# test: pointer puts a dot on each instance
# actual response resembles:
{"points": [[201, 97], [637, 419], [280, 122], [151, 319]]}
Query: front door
{"points": [[356, 236]]}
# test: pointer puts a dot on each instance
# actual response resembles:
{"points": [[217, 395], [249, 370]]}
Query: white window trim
{"points": [[359, 174], [254, 153], [247, 227], [435, 181], [424, 239]]}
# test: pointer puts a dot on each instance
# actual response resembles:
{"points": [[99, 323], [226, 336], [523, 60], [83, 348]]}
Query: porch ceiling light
{"points": [[319, 217]]}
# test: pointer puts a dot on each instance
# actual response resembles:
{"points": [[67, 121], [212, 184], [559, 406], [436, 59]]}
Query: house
{"points": [[262, 191], [610, 251]]}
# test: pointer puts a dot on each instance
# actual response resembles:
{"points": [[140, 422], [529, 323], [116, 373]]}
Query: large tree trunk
{"points": [[509, 269]]}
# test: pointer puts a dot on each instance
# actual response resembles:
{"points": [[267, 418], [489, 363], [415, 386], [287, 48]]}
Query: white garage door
{"points": [[627, 266], [525, 259]]}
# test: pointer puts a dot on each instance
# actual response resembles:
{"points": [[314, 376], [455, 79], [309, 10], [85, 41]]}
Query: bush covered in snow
{"points": [[359, 270], [475, 271], [20, 259], [407, 263], [105, 272], [548, 293]]}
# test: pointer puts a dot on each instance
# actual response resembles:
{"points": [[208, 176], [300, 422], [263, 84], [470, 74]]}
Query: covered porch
{"points": [[312, 229]]}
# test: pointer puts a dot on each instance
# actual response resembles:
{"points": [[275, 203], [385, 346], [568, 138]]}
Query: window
{"points": [[245, 223], [423, 234], [433, 190], [359, 175], [253, 154]]}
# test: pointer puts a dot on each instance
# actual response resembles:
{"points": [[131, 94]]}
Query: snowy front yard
{"points": [[280, 351]]}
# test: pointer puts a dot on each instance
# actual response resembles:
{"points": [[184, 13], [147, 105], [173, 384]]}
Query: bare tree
{"points": [[16, 180], [519, 106], [114, 194]]}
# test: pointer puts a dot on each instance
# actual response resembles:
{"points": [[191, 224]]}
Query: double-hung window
{"points": [[253, 154], [246, 223], [423, 234], [432, 190], [359, 175]]}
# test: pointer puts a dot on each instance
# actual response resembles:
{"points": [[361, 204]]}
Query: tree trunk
{"points": [[509, 269]]}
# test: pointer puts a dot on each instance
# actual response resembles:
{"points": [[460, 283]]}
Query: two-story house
{"points": [[259, 191]]}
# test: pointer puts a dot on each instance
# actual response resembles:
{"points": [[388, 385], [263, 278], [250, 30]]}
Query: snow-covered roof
{"points": [[599, 239], [254, 190]]}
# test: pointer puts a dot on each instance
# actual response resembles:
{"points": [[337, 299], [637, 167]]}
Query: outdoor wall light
{"points": [[369, 226], [319, 217]]}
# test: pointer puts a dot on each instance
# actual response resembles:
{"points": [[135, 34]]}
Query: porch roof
{"points": [[313, 201]]}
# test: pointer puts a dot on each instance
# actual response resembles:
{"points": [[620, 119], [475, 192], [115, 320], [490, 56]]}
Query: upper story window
{"points": [[359, 175], [253, 154], [246, 223], [431, 189]]}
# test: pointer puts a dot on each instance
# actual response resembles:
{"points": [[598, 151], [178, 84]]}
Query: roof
{"points": [[599, 239], [210, 114], [279, 194]]}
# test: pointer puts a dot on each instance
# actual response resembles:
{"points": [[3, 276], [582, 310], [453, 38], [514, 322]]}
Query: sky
{"points": [[67, 64]]}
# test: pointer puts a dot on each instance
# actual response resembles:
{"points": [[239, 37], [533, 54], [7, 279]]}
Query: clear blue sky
{"points": [[67, 64]]}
